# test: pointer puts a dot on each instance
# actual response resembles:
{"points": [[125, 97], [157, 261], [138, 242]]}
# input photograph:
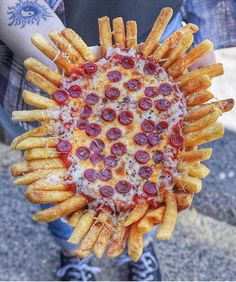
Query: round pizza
{"points": [[116, 151]]}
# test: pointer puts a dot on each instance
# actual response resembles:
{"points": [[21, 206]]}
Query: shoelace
{"points": [[80, 270], [143, 269]]}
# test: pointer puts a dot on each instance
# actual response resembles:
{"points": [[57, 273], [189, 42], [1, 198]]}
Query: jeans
{"points": [[59, 229]]}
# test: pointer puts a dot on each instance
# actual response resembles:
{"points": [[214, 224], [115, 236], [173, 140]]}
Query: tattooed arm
{"points": [[19, 20]]}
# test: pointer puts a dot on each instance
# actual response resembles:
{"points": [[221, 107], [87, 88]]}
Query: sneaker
{"points": [[76, 269], [146, 268]]}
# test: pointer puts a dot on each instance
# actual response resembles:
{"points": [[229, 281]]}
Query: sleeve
{"points": [[215, 18]]}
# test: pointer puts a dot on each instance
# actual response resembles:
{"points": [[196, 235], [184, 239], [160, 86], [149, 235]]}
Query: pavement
{"points": [[203, 246]]}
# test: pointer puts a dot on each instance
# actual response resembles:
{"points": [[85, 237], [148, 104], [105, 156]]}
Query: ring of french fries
{"points": [[117, 151]]}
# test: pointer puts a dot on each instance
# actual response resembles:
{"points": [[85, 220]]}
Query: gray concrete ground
{"points": [[204, 243]]}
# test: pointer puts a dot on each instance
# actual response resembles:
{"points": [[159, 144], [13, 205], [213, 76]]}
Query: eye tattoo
{"points": [[27, 12]]}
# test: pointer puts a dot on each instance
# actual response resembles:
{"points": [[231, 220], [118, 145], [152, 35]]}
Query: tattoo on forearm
{"points": [[27, 12]]}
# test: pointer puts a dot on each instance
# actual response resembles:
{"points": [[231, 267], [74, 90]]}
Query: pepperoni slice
{"points": [[81, 124], [112, 93], [161, 126], [165, 89], [140, 138], [90, 67], [162, 104], [92, 99], [123, 187], [126, 117], [97, 146], [60, 96], [110, 161], [153, 138], [142, 157], [176, 140], [133, 84], [113, 133], [105, 174], [158, 156], [151, 91], [96, 158], [83, 153], [118, 149], [93, 129], [127, 62], [145, 104], [147, 125], [85, 112], [145, 172], [75, 91], [149, 68], [91, 175], [107, 191], [114, 76], [150, 188], [108, 114], [64, 146]]}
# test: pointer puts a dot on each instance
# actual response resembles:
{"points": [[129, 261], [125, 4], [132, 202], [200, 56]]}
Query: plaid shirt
{"points": [[216, 19]]}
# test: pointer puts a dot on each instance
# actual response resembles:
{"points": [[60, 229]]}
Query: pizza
{"points": [[117, 151]]}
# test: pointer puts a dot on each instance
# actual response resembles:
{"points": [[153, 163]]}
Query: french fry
{"points": [[52, 53], [41, 153], [190, 58], [119, 31], [183, 199], [135, 242], [92, 235], [38, 101], [224, 105], [195, 169], [198, 155], [198, 170], [199, 112], [202, 82], [131, 35], [37, 142], [151, 218], [49, 185], [158, 28], [78, 43], [25, 167], [33, 115], [103, 239], [46, 197], [182, 46], [82, 227], [189, 183], [169, 219], [38, 67], [211, 71], [105, 35], [137, 213], [31, 177], [70, 205], [75, 217], [206, 134], [118, 239], [198, 98], [64, 45], [202, 122], [169, 44], [40, 131], [41, 82]]}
